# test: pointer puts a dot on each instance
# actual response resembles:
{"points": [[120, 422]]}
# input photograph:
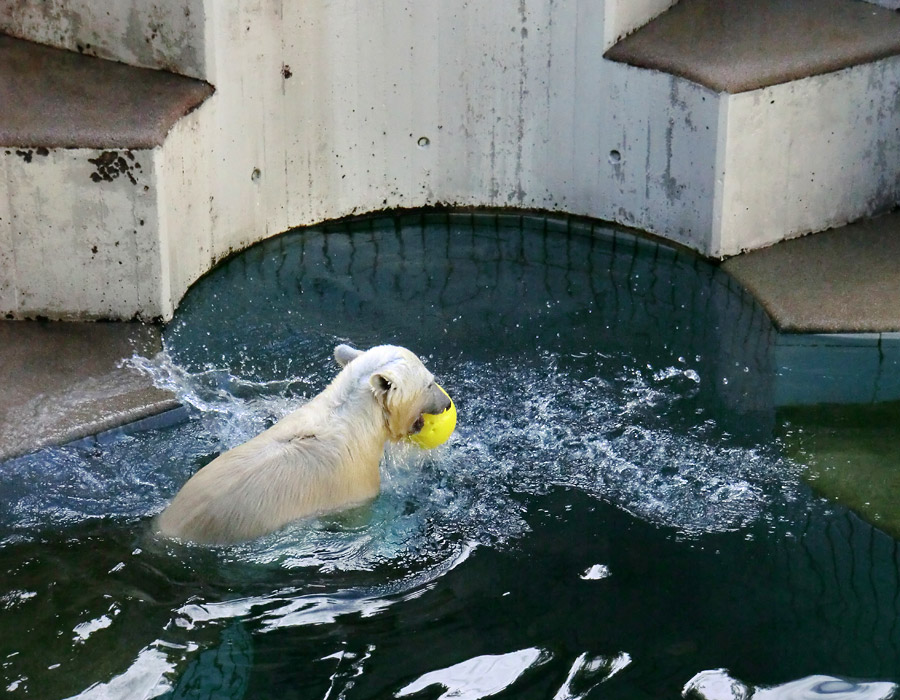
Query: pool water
{"points": [[616, 516]]}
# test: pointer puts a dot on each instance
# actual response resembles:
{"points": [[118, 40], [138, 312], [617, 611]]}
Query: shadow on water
{"points": [[613, 518]]}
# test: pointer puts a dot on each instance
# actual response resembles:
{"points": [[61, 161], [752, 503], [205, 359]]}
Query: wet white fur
{"points": [[323, 457]]}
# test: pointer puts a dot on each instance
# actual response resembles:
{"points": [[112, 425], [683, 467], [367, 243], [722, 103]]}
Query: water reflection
{"points": [[483, 676], [851, 455], [145, 678], [718, 685], [292, 608], [588, 672], [479, 677]]}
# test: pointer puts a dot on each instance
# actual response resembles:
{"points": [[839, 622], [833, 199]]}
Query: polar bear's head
{"points": [[401, 384]]}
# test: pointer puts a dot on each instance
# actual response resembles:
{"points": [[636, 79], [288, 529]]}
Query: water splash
{"points": [[241, 408], [538, 427], [542, 423], [557, 421]]}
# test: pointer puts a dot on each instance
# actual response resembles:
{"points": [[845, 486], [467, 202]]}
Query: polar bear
{"points": [[322, 457]]}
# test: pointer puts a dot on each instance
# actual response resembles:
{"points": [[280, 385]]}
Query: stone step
{"points": [[59, 99], [841, 281], [61, 382], [734, 46], [835, 297]]}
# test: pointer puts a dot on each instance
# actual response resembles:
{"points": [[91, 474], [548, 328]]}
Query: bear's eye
{"points": [[418, 425]]}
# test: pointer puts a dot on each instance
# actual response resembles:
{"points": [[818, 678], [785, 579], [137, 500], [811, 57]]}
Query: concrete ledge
{"points": [[100, 231], [840, 281], [63, 381], [58, 99], [735, 46]]}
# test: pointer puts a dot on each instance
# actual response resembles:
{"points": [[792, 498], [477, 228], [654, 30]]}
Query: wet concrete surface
{"points": [[734, 46], [63, 381], [841, 281], [53, 98]]}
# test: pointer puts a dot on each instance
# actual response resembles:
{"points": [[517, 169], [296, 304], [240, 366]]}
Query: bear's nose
{"points": [[440, 402]]}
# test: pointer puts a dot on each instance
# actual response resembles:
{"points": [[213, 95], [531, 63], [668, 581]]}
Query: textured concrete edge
{"points": [[746, 281], [103, 430], [169, 414], [792, 333], [788, 325], [748, 85], [840, 281]]}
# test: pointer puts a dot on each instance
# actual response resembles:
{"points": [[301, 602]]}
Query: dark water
{"points": [[614, 518]]}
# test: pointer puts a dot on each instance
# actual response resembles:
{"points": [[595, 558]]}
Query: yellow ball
{"points": [[438, 427]]}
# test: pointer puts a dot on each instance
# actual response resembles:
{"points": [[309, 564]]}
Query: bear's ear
{"points": [[385, 387], [381, 383], [344, 354]]}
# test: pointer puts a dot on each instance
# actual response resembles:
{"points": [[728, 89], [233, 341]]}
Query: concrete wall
{"points": [[512, 104], [184, 208], [317, 115], [468, 103], [808, 155], [78, 233], [166, 34], [660, 140]]}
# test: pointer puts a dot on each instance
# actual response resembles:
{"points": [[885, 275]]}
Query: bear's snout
{"points": [[438, 401]]}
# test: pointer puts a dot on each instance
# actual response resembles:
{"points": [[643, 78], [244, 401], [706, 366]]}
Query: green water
{"points": [[615, 514], [852, 454]]}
